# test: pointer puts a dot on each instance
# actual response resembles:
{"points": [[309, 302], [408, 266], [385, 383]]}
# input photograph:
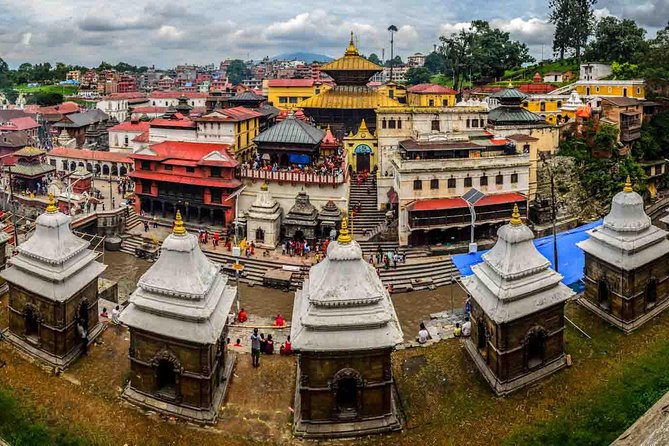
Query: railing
{"points": [[458, 219], [295, 177]]}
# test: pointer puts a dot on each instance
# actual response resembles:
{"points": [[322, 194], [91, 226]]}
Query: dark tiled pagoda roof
{"points": [[291, 131], [506, 115]]}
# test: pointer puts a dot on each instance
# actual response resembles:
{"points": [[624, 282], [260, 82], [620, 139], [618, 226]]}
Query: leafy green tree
{"points": [[617, 40], [397, 60], [237, 71], [45, 99], [434, 62], [655, 66], [4, 74], [373, 58], [574, 21], [419, 75], [625, 70]]}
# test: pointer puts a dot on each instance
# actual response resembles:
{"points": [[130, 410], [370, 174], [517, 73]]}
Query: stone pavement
{"points": [[264, 325], [440, 326]]}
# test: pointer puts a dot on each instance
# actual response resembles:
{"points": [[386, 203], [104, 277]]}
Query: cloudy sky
{"points": [[204, 31]]}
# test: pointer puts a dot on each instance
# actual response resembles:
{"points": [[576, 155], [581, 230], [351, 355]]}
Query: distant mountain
{"points": [[301, 55]]}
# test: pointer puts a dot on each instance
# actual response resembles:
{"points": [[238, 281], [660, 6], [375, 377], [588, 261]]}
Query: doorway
{"points": [[535, 348], [260, 236], [347, 397], [603, 294], [651, 293], [166, 379], [362, 162], [31, 324]]}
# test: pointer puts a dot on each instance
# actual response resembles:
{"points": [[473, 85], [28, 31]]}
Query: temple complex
{"points": [[517, 311], [177, 319], [344, 331], [362, 149], [263, 220], [53, 286], [626, 272], [351, 100], [302, 219]]}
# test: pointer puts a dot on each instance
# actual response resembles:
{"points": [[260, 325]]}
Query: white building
{"points": [[594, 71], [171, 98], [115, 107], [416, 60], [123, 136], [263, 220]]}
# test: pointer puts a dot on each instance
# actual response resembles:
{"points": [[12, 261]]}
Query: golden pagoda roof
{"points": [[30, 151], [349, 98], [351, 61]]}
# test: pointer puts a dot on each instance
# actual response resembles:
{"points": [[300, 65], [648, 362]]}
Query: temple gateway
{"points": [[53, 286], [177, 318], [517, 311], [344, 331], [626, 265]]}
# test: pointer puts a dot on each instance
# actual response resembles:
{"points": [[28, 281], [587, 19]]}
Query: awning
{"points": [[439, 204]]}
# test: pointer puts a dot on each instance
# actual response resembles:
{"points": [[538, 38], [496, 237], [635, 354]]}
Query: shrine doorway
{"points": [[299, 236], [31, 323], [260, 235], [651, 293], [481, 341], [82, 313], [166, 379], [347, 383], [603, 294], [362, 162], [535, 347]]}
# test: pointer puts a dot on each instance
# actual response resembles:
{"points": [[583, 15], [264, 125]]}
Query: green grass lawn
{"points": [[65, 90], [526, 73]]}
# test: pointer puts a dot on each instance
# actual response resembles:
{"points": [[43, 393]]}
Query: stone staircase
{"points": [[406, 277], [133, 219], [255, 267], [370, 217]]}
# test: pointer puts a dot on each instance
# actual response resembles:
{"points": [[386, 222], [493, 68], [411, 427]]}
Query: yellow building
{"points": [[394, 91], [555, 109], [362, 149], [236, 126], [630, 89], [430, 95], [285, 94]]}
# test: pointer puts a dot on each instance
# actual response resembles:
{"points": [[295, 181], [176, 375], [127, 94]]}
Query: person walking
{"points": [[255, 348]]}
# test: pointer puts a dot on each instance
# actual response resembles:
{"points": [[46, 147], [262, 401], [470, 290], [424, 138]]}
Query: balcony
{"points": [[295, 177], [630, 126]]}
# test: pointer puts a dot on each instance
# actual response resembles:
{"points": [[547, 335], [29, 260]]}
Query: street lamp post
{"points": [[553, 209], [14, 207], [393, 30]]}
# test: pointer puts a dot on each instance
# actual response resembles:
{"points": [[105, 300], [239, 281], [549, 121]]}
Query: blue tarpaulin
{"points": [[570, 257]]}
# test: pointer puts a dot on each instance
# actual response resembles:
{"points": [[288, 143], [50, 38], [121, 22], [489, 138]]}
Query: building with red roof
{"points": [[236, 126], [430, 95], [25, 124], [122, 136], [195, 178], [171, 98]]}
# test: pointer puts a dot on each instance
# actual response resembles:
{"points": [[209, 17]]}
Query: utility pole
{"points": [[393, 30], [14, 208], [553, 210]]}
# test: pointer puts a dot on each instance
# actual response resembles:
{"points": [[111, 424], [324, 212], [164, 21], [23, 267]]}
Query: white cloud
{"points": [[25, 38], [531, 31], [451, 28], [170, 33]]}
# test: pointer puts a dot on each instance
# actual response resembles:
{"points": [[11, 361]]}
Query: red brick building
{"points": [[195, 178]]}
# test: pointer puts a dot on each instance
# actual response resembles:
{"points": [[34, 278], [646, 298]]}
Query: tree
{"points": [[655, 66], [237, 71], [419, 75], [625, 70], [373, 58], [397, 60], [45, 99], [434, 62], [617, 41], [4, 74], [573, 20]]}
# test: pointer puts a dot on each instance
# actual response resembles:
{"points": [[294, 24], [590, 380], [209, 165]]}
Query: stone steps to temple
{"points": [[438, 273], [133, 219]]}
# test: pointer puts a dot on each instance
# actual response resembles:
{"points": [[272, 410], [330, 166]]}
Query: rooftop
{"points": [[131, 126], [430, 89], [202, 153], [291, 131], [349, 97]]}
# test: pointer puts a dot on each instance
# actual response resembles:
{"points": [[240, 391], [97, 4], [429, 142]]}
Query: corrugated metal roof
{"points": [[291, 131]]}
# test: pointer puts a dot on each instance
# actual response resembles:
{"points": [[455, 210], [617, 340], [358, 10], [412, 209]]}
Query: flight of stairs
{"points": [[369, 217], [255, 266], [133, 219], [431, 274]]}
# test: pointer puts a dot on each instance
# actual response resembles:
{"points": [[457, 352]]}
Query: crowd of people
{"points": [[324, 165]]}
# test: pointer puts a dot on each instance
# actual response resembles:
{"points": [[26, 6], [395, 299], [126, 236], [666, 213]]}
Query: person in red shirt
{"points": [[242, 316], [279, 321], [238, 343], [286, 348]]}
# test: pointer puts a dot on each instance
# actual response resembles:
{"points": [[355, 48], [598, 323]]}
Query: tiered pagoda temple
{"points": [[177, 318], [291, 141], [329, 218], [351, 100], [263, 220], [626, 272], [30, 168], [510, 112], [302, 219], [344, 330], [53, 285], [517, 311]]}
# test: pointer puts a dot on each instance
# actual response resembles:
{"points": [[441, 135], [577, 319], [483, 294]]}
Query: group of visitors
{"points": [[265, 345], [325, 165], [385, 259]]}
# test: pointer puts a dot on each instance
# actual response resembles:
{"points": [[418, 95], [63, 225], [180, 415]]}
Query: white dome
{"points": [[627, 213]]}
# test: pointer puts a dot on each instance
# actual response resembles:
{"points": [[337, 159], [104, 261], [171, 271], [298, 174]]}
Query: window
{"points": [[483, 181], [399, 123], [625, 92], [391, 94], [190, 169], [215, 195], [167, 167], [317, 91], [430, 103], [384, 124], [125, 140], [444, 103], [435, 125], [293, 100], [451, 183], [146, 165], [499, 179], [391, 124], [283, 99], [215, 172], [638, 90], [525, 104], [417, 185], [468, 182], [542, 106], [559, 104], [475, 123], [434, 183], [514, 178], [597, 89], [468, 123], [481, 123]]}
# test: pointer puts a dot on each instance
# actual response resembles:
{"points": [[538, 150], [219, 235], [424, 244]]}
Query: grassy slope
{"points": [[526, 73], [66, 90]]}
